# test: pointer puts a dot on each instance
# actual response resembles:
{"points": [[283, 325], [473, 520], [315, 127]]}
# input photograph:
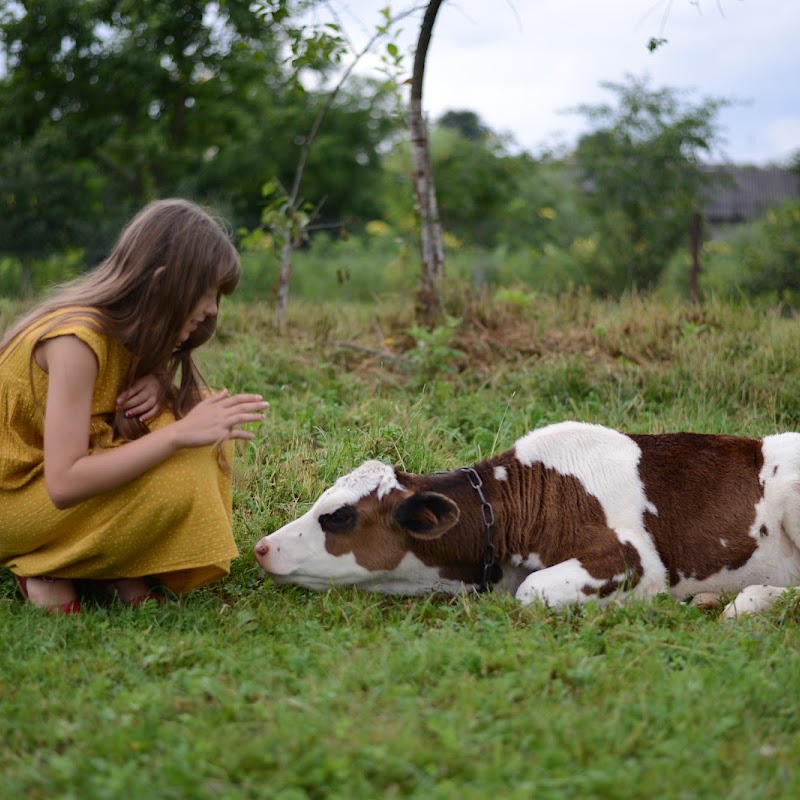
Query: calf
{"points": [[572, 512]]}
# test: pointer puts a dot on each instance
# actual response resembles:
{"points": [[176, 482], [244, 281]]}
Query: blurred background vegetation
{"points": [[106, 105]]}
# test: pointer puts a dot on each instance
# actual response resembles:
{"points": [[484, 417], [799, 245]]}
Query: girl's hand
{"points": [[216, 418], [142, 399]]}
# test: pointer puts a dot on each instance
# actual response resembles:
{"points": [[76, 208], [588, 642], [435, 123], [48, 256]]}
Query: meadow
{"points": [[249, 690]]}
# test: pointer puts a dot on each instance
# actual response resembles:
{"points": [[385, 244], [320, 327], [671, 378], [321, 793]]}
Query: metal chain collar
{"points": [[491, 570]]}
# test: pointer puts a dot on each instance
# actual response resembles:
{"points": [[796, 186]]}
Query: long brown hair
{"points": [[145, 311]]}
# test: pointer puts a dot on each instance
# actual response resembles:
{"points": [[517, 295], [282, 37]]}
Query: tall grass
{"points": [[246, 689]]}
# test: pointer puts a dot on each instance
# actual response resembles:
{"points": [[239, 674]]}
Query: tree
{"points": [[142, 87], [642, 173], [467, 123], [431, 244], [40, 209], [107, 104], [769, 253], [286, 213], [142, 95], [475, 178]]}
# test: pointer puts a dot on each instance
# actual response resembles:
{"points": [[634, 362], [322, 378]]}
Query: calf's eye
{"points": [[340, 521]]}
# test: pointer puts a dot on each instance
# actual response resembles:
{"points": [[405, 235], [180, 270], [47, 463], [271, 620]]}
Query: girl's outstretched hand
{"points": [[141, 400], [217, 418]]}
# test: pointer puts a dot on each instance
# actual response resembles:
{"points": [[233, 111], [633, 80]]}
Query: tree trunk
{"points": [[432, 249], [697, 246], [283, 280]]}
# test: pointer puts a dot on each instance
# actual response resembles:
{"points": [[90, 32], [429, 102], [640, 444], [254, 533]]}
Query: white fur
{"points": [[296, 552], [752, 600], [410, 577], [371, 476], [559, 585], [606, 464]]}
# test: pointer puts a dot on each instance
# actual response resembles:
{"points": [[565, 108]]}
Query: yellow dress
{"points": [[172, 523]]}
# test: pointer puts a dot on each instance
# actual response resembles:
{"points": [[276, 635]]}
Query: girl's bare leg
{"points": [[50, 592]]}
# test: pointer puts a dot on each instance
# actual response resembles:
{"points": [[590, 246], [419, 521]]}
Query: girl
{"points": [[96, 481]]}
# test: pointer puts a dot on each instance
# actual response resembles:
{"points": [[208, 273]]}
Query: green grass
{"points": [[245, 689]]}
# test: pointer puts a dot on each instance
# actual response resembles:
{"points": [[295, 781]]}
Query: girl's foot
{"points": [[131, 591], [57, 595]]}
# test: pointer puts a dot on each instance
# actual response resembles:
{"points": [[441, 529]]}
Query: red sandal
{"points": [[71, 607]]}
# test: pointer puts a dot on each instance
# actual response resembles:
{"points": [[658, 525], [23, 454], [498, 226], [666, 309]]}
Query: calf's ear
{"points": [[427, 515]]}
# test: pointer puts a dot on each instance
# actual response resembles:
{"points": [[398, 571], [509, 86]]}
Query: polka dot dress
{"points": [[172, 523]]}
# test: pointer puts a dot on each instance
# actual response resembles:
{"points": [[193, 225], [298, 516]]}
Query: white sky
{"points": [[520, 64]]}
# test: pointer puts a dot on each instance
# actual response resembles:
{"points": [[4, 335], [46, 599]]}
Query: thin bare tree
{"points": [[284, 214], [432, 248]]}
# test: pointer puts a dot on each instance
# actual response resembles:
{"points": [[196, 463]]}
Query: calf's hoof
{"points": [[706, 601]]}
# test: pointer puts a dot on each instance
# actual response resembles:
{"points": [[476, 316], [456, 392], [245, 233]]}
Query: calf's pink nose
{"points": [[262, 548]]}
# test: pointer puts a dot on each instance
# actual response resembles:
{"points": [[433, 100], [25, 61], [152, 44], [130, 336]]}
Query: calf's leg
{"points": [[570, 582], [605, 566], [752, 600]]}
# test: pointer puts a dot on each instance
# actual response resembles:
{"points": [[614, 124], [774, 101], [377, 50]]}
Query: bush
{"points": [[44, 273], [770, 258], [355, 268]]}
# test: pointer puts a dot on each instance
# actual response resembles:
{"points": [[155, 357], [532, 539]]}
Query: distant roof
{"points": [[738, 194]]}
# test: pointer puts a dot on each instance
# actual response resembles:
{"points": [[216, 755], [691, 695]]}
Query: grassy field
{"points": [[248, 690]]}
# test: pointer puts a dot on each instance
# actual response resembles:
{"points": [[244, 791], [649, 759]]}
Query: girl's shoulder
{"points": [[86, 323], [72, 317], [65, 321]]}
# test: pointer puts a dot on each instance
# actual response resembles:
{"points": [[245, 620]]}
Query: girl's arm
{"points": [[71, 473]]}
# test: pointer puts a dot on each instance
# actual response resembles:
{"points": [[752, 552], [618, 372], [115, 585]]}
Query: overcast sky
{"points": [[521, 64]]}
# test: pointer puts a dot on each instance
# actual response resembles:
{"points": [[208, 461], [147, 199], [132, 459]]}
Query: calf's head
{"points": [[371, 530]]}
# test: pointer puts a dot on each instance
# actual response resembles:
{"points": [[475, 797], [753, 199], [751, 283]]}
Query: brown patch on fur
{"points": [[705, 488], [378, 543], [625, 578], [374, 543], [540, 511], [458, 554], [537, 511]]}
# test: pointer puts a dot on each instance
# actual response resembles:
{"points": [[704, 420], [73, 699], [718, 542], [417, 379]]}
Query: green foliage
{"points": [[642, 165], [757, 260], [466, 123], [106, 105], [545, 208], [770, 255], [434, 354], [119, 103], [349, 269], [45, 273], [319, 48], [485, 195], [41, 210]]}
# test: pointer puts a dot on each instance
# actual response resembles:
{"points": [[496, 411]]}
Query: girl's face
{"points": [[208, 306]]}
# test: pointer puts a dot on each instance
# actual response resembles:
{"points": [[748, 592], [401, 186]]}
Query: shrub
{"points": [[770, 258]]}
